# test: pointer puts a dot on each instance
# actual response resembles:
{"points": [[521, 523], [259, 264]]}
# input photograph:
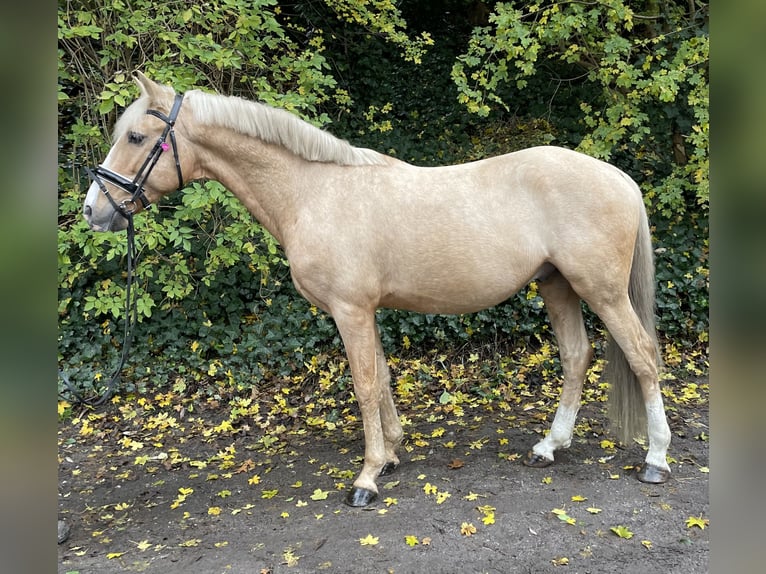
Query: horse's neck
{"points": [[261, 176]]}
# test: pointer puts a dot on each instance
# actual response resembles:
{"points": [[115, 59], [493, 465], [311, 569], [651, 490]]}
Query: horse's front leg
{"points": [[389, 417], [357, 329]]}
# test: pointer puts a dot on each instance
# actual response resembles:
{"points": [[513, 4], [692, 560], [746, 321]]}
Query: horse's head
{"points": [[146, 160]]}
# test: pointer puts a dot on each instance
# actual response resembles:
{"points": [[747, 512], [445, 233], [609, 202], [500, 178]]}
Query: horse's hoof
{"points": [[388, 468], [360, 496], [536, 461], [652, 474]]}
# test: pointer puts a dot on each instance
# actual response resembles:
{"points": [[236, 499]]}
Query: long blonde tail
{"points": [[626, 402]]}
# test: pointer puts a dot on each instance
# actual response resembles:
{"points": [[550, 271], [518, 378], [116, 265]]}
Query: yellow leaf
{"points": [[467, 529], [301, 503], [390, 501], [369, 540], [547, 480], [593, 510], [297, 484], [471, 496], [143, 545], [622, 531], [563, 561], [429, 488], [285, 515], [191, 542], [442, 496], [697, 521], [255, 479], [114, 555], [578, 498], [319, 494], [647, 544], [488, 518], [411, 540], [214, 510], [122, 506], [269, 493]]}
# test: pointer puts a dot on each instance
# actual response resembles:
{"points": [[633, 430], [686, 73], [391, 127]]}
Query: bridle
{"points": [[135, 187], [127, 209]]}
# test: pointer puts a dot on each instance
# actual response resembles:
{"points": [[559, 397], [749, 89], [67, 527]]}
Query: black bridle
{"points": [[127, 208], [135, 187]]}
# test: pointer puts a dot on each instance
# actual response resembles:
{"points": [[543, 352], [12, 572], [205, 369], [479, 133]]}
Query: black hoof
{"points": [[360, 496], [388, 468], [536, 461], [652, 474]]}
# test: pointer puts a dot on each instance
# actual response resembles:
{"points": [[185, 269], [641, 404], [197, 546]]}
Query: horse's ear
{"points": [[148, 87]]}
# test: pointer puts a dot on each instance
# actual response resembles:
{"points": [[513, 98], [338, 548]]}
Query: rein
{"points": [[127, 209]]}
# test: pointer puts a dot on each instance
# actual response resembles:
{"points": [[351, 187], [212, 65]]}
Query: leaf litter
{"points": [[204, 462]]}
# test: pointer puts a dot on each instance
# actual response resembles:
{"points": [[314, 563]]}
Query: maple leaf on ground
{"points": [[622, 531], [369, 540], [319, 494], [467, 529], [411, 540], [697, 521]]}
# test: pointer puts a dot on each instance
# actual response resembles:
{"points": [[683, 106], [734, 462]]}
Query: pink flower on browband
{"points": [[164, 146]]}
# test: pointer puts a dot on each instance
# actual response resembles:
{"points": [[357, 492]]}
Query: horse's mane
{"points": [[279, 127]]}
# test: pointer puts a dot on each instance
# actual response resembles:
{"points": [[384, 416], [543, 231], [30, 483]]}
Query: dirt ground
{"points": [[461, 501]]}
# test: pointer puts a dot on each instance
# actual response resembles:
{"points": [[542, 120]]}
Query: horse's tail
{"points": [[626, 402]]}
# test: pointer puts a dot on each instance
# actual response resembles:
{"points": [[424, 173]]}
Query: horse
{"points": [[362, 230]]}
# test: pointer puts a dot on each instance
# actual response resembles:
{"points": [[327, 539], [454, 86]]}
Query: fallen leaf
{"points": [[456, 463], [319, 494], [578, 498], [429, 488], [647, 544], [563, 561], [411, 540], [112, 555], [390, 501], [467, 529], [622, 531], [442, 496], [214, 510], [369, 540], [593, 510], [143, 545], [697, 521], [547, 479]]}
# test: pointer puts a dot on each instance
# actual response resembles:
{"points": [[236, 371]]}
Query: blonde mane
{"points": [[279, 127]]}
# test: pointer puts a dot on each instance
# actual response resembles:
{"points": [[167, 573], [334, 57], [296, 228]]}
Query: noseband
{"points": [[135, 187]]}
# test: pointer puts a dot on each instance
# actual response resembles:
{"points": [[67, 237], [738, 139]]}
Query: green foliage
{"points": [[214, 296], [646, 77]]}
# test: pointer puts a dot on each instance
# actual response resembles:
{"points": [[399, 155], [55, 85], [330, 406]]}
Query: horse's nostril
{"points": [[87, 211]]}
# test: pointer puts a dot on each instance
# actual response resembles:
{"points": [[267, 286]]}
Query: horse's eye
{"points": [[135, 138]]}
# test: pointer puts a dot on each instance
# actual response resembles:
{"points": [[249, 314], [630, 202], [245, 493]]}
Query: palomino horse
{"points": [[363, 230]]}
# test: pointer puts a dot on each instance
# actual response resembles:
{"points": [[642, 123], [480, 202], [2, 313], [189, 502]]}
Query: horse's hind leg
{"points": [[565, 313], [640, 353]]}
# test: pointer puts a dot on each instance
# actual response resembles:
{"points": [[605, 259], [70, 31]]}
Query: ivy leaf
{"points": [[369, 540], [622, 532]]}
